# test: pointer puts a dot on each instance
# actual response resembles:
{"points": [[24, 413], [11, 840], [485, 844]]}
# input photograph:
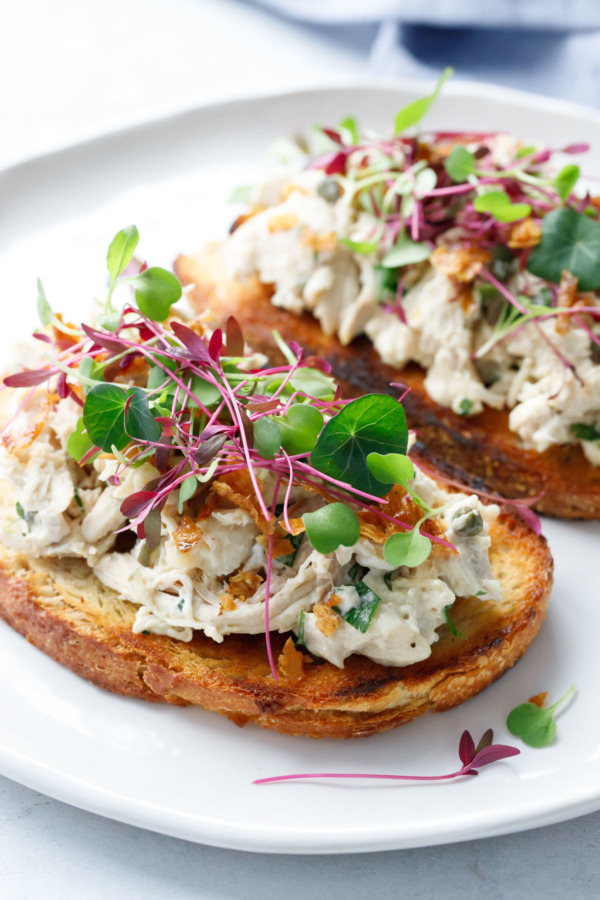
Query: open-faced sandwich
{"points": [[183, 522], [464, 265]]}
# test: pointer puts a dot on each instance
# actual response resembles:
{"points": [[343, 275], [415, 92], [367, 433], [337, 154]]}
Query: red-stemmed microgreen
{"points": [[472, 758]]}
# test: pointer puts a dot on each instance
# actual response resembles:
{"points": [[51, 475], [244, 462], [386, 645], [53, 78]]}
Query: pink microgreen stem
{"points": [[503, 290]]}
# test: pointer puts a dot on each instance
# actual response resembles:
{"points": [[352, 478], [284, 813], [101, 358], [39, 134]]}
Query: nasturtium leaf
{"points": [[350, 126], [566, 180], [78, 443], [404, 252], [460, 164], [499, 205], [407, 548], [155, 291], [105, 420], [121, 250], [415, 111], [585, 432], [330, 526], [267, 437], [360, 616], [571, 241], [391, 467], [187, 489], [299, 428], [44, 309], [374, 423]]}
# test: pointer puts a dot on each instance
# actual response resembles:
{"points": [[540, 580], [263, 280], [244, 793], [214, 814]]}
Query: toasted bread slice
{"points": [[479, 450], [65, 611]]}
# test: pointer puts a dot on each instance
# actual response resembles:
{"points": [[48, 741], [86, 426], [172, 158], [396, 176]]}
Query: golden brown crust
{"points": [[479, 448], [62, 609]]}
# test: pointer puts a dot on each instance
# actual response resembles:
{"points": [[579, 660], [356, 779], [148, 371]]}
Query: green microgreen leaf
{"points": [[78, 443], [78, 500], [374, 423], [571, 241], [289, 559], [204, 393], [407, 548], [267, 437], [415, 111], [386, 282], [350, 126], [299, 642], [450, 623], [300, 428], [187, 489], [499, 205], [331, 526], [155, 291], [405, 252], [585, 432], [525, 151], [106, 422], [121, 250], [109, 319], [535, 725], [313, 383], [363, 248], [360, 616], [566, 180], [388, 581], [45, 314], [460, 164], [242, 194], [394, 468]]}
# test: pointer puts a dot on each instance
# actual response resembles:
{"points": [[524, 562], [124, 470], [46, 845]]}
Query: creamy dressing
{"points": [[289, 245], [72, 511]]}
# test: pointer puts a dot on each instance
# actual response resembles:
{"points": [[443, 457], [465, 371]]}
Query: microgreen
{"points": [[45, 314], [187, 489], [363, 248], [452, 627], [571, 241], [535, 724], [267, 437], [113, 416], [394, 468], [26, 515], [121, 250], [566, 180], [460, 164], [331, 526], [374, 423], [299, 428], [405, 252], [155, 291], [288, 559], [349, 125], [472, 758], [78, 442], [414, 112], [408, 548], [500, 206]]}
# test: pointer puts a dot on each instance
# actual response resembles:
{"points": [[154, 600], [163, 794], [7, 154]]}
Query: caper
{"points": [[491, 306], [329, 190], [467, 520], [503, 264], [488, 371]]}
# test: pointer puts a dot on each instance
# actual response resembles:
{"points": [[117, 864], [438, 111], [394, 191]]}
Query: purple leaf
{"points": [[337, 165], [42, 337], [297, 350], [133, 505], [62, 388], [248, 428], [28, 378], [492, 754], [161, 456], [103, 340], [194, 343], [333, 136], [215, 344], [209, 448], [576, 148], [235, 338], [466, 748], [486, 741]]}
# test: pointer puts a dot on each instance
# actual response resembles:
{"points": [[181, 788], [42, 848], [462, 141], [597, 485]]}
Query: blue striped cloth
{"points": [[548, 46]]}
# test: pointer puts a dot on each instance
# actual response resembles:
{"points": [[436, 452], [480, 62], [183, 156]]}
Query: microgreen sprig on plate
{"points": [[472, 758], [533, 722]]}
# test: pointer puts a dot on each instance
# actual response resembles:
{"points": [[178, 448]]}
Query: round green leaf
{"points": [[267, 437], [404, 252], [407, 548], [299, 428], [566, 180], [391, 467], [534, 725], [155, 291], [571, 241], [460, 164], [498, 204], [187, 489], [330, 526], [374, 423], [78, 443]]}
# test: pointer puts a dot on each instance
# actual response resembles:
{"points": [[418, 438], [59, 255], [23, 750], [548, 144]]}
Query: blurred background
{"points": [[71, 69]]}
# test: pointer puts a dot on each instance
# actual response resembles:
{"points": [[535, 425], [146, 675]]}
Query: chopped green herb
{"points": [[180, 604], [465, 406], [78, 500], [27, 516], [388, 581], [585, 432], [360, 616], [450, 623], [290, 558]]}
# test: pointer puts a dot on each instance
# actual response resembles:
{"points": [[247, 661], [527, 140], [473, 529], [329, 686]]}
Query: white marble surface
{"points": [[71, 70]]}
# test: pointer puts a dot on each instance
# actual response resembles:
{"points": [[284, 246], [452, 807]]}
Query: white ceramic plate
{"points": [[186, 772]]}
